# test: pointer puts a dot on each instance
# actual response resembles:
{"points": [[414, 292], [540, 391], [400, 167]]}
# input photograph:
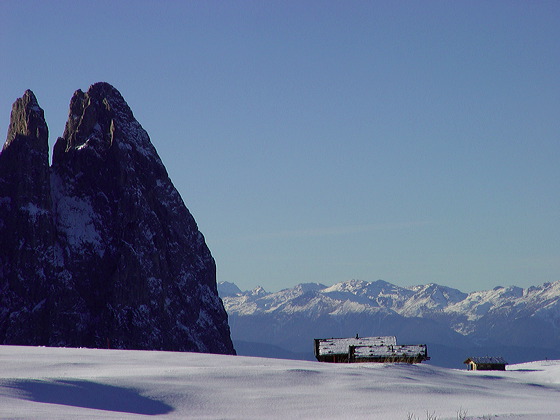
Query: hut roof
{"points": [[487, 360]]}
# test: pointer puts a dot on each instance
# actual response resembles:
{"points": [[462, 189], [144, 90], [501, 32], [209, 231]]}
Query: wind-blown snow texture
{"points": [[56, 383], [99, 250], [518, 324]]}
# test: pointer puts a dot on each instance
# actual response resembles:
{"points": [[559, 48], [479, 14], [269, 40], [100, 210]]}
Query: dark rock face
{"points": [[128, 267], [26, 225]]}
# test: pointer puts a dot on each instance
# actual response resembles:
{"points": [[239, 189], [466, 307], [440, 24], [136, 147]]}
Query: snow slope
{"points": [[85, 383]]}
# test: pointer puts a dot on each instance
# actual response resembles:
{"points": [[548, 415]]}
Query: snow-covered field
{"points": [[84, 383]]}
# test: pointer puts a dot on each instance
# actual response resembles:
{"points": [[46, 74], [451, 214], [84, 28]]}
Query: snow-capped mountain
{"points": [[98, 249], [520, 324]]}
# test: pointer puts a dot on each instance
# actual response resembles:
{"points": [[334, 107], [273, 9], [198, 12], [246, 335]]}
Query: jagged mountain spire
{"points": [[129, 267], [28, 120], [26, 226]]}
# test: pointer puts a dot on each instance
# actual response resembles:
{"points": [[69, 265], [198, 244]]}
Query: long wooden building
{"points": [[368, 349]]}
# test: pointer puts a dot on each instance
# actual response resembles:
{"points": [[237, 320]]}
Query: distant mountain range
{"points": [[518, 324]]}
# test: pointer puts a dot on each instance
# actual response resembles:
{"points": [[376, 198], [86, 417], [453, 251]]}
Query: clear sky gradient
{"points": [[320, 141]]}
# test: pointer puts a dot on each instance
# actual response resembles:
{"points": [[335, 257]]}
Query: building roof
{"points": [[487, 360], [387, 351], [329, 346]]}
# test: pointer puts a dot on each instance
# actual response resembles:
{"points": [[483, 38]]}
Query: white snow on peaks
{"points": [[258, 291], [417, 301], [430, 297], [228, 289], [60, 383], [349, 307], [478, 304]]}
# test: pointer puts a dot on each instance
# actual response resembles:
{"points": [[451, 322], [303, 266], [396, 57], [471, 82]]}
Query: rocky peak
{"points": [[24, 170], [24, 160], [26, 227], [28, 121], [228, 289], [124, 260], [93, 118]]}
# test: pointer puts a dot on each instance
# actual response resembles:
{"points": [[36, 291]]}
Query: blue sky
{"points": [[321, 141]]}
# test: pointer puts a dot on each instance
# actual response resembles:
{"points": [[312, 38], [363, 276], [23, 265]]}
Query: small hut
{"points": [[486, 363]]}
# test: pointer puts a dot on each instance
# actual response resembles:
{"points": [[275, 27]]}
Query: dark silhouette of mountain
{"points": [[99, 249]]}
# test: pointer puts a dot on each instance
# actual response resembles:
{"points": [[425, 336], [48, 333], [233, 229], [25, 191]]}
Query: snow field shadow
{"points": [[85, 394]]}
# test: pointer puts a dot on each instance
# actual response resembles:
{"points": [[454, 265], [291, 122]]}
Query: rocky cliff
{"points": [[99, 249], [26, 226]]}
